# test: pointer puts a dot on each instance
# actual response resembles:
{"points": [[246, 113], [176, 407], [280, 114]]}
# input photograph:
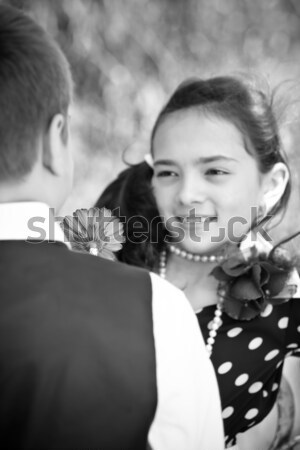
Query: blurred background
{"points": [[127, 56]]}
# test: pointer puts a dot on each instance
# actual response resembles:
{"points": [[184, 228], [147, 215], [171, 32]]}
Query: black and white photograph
{"points": [[150, 224]]}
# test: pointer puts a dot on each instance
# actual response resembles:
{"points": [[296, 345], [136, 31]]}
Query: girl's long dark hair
{"points": [[130, 198]]}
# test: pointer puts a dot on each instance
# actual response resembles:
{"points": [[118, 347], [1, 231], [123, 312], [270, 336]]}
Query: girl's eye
{"points": [[216, 172], [166, 173]]}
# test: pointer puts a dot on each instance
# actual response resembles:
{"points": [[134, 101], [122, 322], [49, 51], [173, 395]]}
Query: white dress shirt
{"points": [[188, 415]]}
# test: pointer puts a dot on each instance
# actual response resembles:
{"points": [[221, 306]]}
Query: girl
{"points": [[215, 176]]}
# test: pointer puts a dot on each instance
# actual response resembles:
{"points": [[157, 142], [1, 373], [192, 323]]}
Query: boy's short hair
{"points": [[35, 84]]}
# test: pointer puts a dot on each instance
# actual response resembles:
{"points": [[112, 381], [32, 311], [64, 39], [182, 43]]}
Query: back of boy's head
{"points": [[35, 84]]}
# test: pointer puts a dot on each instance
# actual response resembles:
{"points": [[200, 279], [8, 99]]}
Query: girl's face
{"points": [[205, 183]]}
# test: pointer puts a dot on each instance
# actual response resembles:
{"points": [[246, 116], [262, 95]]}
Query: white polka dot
{"points": [[255, 387], [234, 332], [251, 424], [267, 311], [271, 355], [298, 329], [265, 394], [227, 412], [294, 345], [283, 322], [255, 343], [279, 364], [225, 367], [274, 387], [251, 413], [242, 379]]}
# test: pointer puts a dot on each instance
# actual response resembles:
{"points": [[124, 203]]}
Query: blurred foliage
{"points": [[127, 56]]}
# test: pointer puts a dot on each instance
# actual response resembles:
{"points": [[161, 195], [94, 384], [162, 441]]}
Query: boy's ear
{"points": [[54, 145], [275, 185]]}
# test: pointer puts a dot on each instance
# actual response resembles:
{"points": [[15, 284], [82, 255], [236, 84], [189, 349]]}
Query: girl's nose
{"points": [[192, 190]]}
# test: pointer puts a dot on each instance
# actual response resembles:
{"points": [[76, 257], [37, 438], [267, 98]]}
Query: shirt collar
{"points": [[30, 221]]}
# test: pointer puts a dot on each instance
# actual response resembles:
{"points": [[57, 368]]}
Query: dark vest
{"points": [[76, 350]]}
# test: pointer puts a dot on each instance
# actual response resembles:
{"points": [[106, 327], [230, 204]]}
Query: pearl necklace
{"points": [[217, 320], [195, 257]]}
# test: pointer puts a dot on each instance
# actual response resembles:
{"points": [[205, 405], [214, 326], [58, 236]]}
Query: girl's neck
{"points": [[194, 279], [192, 269]]}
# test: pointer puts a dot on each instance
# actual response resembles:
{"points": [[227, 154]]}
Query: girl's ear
{"points": [[274, 185], [54, 146]]}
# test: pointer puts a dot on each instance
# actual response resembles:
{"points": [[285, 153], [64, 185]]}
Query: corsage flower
{"points": [[253, 276], [95, 231]]}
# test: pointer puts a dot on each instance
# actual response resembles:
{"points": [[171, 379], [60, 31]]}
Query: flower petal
{"points": [[114, 247], [81, 215], [107, 254], [235, 267], [259, 275], [277, 282], [219, 274], [244, 288], [243, 311]]}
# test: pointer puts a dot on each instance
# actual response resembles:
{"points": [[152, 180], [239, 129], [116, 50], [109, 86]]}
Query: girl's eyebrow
{"points": [[201, 160], [165, 162], [209, 159]]}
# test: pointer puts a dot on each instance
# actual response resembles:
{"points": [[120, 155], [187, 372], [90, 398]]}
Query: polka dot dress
{"points": [[248, 357]]}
